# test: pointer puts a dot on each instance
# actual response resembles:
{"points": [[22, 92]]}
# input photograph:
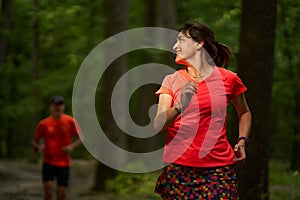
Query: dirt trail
{"points": [[22, 181]]}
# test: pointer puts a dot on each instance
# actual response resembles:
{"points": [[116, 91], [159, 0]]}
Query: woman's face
{"points": [[185, 48]]}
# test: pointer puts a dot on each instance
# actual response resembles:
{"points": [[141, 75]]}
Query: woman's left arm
{"points": [[244, 116]]}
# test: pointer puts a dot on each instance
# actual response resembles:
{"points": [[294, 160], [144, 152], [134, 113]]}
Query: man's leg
{"points": [[61, 192], [48, 190], [48, 176], [62, 183]]}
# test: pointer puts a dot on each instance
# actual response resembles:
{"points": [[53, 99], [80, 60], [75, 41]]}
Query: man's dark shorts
{"points": [[60, 173]]}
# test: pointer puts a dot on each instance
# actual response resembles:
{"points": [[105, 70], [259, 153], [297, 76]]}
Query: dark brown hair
{"points": [[219, 52]]}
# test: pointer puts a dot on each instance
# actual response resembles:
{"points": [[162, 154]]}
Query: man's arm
{"points": [[71, 147], [37, 146]]}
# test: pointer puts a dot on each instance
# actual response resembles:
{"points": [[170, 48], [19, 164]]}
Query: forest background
{"points": [[43, 44]]}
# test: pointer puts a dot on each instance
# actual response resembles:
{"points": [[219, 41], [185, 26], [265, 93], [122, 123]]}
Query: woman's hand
{"points": [[187, 92], [240, 153]]}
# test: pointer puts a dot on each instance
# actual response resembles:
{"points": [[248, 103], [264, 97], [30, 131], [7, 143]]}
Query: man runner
{"points": [[56, 131]]}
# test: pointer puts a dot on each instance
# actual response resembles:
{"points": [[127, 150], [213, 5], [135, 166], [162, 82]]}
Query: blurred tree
{"points": [[117, 21], [34, 71], [34, 68], [6, 16], [295, 161], [165, 13], [284, 142], [255, 67], [289, 50], [159, 13]]}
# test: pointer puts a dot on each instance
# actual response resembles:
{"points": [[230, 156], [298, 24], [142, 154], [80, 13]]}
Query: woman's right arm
{"points": [[165, 114]]}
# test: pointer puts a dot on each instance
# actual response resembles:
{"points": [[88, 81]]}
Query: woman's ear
{"points": [[200, 45]]}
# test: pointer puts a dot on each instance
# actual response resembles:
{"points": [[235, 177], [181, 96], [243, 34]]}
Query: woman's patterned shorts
{"points": [[184, 182]]}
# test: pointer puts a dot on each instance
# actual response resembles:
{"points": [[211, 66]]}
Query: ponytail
{"points": [[223, 55]]}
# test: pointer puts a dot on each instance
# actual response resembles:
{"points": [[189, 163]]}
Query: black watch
{"points": [[246, 139]]}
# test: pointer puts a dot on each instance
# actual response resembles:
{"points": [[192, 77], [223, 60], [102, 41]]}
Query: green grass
{"points": [[284, 183], [134, 186]]}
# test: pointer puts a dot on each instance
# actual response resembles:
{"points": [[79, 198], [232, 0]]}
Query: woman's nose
{"points": [[175, 46]]}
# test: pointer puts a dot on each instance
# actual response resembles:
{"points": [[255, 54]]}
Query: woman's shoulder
{"points": [[227, 74], [176, 74]]}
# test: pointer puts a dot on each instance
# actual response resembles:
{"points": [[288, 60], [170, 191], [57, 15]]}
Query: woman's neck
{"points": [[199, 70], [198, 65]]}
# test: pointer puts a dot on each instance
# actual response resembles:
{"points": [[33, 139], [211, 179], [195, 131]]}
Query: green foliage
{"points": [[286, 79], [284, 184], [134, 186], [64, 40]]}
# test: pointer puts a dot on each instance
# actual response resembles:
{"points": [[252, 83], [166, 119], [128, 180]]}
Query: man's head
{"points": [[57, 106]]}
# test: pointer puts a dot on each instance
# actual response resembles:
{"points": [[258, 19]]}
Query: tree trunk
{"points": [[164, 12], [255, 67], [34, 68], [35, 48], [290, 54], [295, 161], [117, 21], [6, 12]]}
